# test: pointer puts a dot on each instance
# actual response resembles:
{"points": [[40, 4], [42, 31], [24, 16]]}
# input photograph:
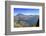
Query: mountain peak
{"points": [[19, 14]]}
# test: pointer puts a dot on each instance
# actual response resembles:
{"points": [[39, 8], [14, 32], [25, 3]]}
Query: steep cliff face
{"points": [[37, 22]]}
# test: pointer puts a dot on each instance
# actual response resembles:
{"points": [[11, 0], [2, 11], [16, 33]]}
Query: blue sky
{"points": [[26, 11]]}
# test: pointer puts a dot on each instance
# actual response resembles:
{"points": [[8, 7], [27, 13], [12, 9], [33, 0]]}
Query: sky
{"points": [[26, 11]]}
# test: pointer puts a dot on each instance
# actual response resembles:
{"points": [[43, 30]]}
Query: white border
{"points": [[25, 28]]}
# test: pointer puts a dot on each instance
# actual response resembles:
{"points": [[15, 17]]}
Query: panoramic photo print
{"points": [[26, 17]]}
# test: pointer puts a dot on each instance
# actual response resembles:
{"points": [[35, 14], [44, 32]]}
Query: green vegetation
{"points": [[19, 23], [33, 25]]}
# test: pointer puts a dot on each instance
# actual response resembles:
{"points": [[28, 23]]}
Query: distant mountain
{"points": [[30, 19], [19, 14]]}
